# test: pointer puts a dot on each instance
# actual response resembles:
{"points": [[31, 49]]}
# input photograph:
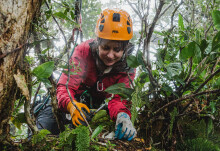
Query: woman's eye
{"points": [[117, 49], [106, 48]]}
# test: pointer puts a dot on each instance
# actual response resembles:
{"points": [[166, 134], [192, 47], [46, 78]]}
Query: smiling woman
{"points": [[110, 51], [103, 63]]}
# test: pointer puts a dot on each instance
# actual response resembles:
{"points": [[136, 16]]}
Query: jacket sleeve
{"points": [[117, 105], [78, 59]]}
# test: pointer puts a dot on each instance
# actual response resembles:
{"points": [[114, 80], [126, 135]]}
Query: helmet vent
{"points": [[102, 16], [128, 23], [129, 29], [103, 21], [101, 27], [116, 17]]}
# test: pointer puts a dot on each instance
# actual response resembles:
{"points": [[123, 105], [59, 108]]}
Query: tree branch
{"points": [[206, 81], [186, 97]]}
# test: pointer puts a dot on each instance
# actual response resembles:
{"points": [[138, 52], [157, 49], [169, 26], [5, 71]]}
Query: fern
{"points": [[40, 136], [172, 116], [66, 138], [198, 144], [82, 138], [136, 103]]}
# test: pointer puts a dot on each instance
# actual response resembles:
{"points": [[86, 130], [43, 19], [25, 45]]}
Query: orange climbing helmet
{"points": [[114, 24]]}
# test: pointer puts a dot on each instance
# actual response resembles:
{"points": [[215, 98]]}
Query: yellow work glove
{"points": [[77, 119]]}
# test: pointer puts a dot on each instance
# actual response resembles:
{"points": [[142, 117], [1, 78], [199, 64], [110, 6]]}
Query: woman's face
{"points": [[110, 52]]}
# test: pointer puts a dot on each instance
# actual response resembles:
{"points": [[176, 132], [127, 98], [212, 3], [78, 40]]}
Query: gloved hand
{"points": [[124, 129], [77, 119]]}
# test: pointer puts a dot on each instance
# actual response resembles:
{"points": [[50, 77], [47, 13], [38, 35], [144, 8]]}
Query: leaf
{"points": [[40, 136], [180, 22], [198, 36], [216, 41], [45, 50], [167, 89], [82, 138], [46, 83], [97, 131], [210, 126], [44, 70], [132, 61], [203, 45], [18, 120], [213, 107], [173, 69], [216, 18], [140, 58], [72, 15], [62, 16], [99, 115], [159, 33], [120, 89], [191, 50], [21, 83]]}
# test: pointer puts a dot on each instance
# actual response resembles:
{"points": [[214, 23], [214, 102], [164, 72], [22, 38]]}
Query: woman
{"points": [[102, 63]]}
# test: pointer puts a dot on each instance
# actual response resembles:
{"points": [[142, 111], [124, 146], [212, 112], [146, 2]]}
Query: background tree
{"points": [[15, 22]]}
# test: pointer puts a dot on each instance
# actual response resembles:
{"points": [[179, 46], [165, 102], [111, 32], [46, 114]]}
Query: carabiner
{"points": [[98, 86]]}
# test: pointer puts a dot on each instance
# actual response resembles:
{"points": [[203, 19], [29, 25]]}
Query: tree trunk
{"points": [[15, 21]]}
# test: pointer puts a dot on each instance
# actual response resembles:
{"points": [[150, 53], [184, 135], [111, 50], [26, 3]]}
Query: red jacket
{"points": [[88, 77]]}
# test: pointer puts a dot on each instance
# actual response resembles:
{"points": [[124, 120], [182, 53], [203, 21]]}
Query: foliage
{"points": [[200, 144], [175, 95], [82, 138]]}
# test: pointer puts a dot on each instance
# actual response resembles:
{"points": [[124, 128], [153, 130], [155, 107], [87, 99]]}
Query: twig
{"points": [[35, 96], [30, 121], [131, 82], [57, 24], [190, 69], [174, 13], [135, 10], [213, 69], [186, 97], [150, 32], [71, 99], [209, 78], [164, 11], [16, 49]]}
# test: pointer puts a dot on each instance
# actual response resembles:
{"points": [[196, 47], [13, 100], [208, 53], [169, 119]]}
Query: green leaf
{"points": [[216, 18], [40, 136], [173, 69], [82, 138], [72, 15], [213, 107], [120, 89], [159, 33], [45, 50], [46, 83], [44, 70], [62, 16], [132, 61], [198, 36], [216, 41], [97, 131], [210, 126], [140, 58], [167, 89], [180, 22], [203, 45], [18, 120], [191, 50]]}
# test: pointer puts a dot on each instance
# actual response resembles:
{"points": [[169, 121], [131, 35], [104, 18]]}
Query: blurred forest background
{"points": [[175, 95]]}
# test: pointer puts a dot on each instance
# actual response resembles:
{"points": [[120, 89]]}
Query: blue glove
{"points": [[124, 129]]}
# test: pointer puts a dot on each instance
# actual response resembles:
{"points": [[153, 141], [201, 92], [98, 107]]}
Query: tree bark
{"points": [[15, 21]]}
